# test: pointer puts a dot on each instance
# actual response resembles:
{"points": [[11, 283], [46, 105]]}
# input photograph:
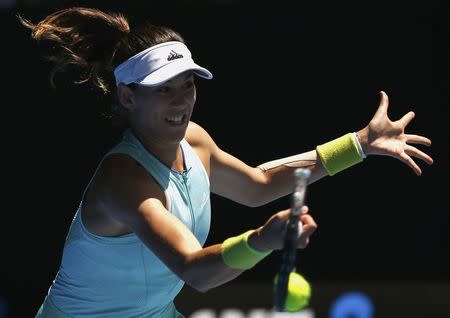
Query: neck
{"points": [[168, 153]]}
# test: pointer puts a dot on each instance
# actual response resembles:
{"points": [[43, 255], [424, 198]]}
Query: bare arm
{"points": [[130, 196], [255, 186], [178, 248], [252, 186]]}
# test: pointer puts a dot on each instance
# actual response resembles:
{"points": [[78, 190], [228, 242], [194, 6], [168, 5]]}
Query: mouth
{"points": [[177, 120]]}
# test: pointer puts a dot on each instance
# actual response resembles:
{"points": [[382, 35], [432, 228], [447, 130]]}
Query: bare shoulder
{"points": [[203, 144], [120, 185], [122, 176], [197, 136]]}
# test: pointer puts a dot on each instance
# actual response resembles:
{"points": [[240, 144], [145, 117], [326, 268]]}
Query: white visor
{"points": [[158, 64]]}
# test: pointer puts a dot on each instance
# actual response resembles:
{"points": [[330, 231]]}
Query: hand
{"points": [[270, 236], [385, 137]]}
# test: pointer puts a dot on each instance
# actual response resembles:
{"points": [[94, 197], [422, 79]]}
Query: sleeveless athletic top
{"points": [[119, 276]]}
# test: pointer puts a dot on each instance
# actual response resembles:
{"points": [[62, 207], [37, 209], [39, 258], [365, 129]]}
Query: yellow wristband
{"points": [[236, 252], [339, 154]]}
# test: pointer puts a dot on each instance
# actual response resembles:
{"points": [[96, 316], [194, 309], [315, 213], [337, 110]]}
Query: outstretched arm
{"points": [[254, 186]]}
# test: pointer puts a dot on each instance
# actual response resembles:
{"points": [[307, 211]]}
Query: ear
{"points": [[126, 96]]}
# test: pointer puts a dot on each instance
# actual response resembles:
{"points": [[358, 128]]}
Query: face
{"points": [[162, 113]]}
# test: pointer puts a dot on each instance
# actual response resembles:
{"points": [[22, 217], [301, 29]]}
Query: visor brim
{"points": [[171, 70]]}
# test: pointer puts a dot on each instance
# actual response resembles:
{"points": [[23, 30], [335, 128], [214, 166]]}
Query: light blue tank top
{"points": [[119, 276]]}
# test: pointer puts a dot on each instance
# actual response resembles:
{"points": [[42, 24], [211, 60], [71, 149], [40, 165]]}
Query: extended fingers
{"points": [[383, 105], [413, 151], [416, 139], [408, 160], [406, 119]]}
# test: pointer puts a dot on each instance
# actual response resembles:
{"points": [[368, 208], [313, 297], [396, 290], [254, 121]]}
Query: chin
{"points": [[176, 136]]}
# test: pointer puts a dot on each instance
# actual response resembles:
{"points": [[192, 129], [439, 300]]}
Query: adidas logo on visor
{"points": [[174, 55]]}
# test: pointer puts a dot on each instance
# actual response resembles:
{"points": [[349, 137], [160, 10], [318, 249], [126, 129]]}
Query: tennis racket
{"points": [[289, 252]]}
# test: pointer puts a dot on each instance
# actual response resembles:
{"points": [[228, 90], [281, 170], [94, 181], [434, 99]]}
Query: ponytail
{"points": [[95, 43], [83, 37]]}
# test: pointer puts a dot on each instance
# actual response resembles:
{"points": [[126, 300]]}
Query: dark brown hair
{"points": [[94, 41]]}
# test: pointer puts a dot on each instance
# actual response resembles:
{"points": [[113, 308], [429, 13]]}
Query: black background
{"points": [[285, 80]]}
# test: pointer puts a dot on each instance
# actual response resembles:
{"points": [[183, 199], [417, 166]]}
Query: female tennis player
{"points": [[138, 234]]}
